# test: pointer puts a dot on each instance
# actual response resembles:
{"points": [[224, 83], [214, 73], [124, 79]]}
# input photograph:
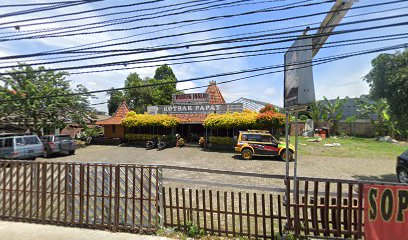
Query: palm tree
{"points": [[332, 112]]}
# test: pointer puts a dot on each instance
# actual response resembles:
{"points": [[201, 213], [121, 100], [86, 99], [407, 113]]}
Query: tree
{"points": [[115, 99], [269, 119], [332, 112], [388, 80], [139, 98], [315, 112], [162, 94], [34, 113], [378, 113]]}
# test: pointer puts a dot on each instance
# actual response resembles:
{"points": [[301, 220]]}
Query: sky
{"points": [[339, 78]]}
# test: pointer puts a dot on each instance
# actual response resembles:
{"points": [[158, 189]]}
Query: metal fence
{"points": [[104, 196], [318, 207]]}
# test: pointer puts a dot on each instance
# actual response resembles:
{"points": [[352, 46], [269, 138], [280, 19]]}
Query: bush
{"points": [[245, 119], [145, 120], [221, 141]]}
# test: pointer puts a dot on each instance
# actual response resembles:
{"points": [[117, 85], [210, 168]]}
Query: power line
{"points": [[213, 38], [292, 38], [263, 53], [87, 26], [37, 4], [42, 9], [206, 2], [194, 32], [306, 63]]}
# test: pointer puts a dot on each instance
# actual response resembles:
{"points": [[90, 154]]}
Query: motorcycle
{"points": [[151, 144], [161, 144]]}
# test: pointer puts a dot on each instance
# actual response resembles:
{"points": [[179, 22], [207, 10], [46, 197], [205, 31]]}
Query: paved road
{"points": [[23, 231]]}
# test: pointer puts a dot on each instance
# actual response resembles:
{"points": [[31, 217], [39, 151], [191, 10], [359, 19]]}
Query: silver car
{"points": [[26, 147], [55, 144]]}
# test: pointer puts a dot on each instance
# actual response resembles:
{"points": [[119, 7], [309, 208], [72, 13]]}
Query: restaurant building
{"points": [[190, 108]]}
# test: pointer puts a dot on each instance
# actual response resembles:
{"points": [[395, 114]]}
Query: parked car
{"points": [[402, 167], [55, 144], [261, 143], [21, 147]]}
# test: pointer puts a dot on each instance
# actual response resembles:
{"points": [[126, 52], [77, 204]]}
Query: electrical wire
{"points": [[304, 64], [225, 48], [206, 2], [213, 38], [87, 26]]}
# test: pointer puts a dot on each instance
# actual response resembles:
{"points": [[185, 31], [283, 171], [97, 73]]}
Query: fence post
{"points": [[43, 191], [160, 192], [117, 194]]}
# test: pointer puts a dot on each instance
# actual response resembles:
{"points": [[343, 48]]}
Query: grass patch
{"points": [[351, 147]]}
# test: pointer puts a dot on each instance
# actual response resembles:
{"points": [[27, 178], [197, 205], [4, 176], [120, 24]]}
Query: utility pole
{"points": [[299, 87]]}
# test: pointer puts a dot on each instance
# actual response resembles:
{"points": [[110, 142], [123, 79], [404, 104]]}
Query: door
{"points": [[263, 144], [20, 148]]}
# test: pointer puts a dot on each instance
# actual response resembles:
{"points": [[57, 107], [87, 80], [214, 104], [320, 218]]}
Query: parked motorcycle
{"points": [[151, 144], [161, 144]]}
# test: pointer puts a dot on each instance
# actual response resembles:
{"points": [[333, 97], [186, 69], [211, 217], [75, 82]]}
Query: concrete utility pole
{"points": [[301, 82]]}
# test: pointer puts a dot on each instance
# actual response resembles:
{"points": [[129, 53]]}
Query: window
{"points": [[31, 140], [266, 138], [113, 128], [19, 142], [1, 143], [244, 137], [8, 142]]}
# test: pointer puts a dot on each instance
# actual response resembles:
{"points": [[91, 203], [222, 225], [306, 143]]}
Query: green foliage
{"points": [[91, 132], [144, 120], [140, 137], [226, 141], [139, 98], [39, 113], [379, 114], [115, 99], [388, 80], [193, 230], [332, 112]]}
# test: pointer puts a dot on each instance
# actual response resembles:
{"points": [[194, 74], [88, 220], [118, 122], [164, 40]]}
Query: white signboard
{"points": [[195, 108], [298, 83]]}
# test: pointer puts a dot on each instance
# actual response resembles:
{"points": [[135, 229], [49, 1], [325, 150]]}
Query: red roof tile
{"points": [[116, 119], [215, 94]]}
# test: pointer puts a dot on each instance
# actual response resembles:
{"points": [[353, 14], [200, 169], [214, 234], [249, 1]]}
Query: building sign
{"points": [[191, 98], [298, 82], [385, 212], [195, 108]]}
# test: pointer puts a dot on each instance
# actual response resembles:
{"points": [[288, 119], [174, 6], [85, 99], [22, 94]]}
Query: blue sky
{"points": [[341, 78]]}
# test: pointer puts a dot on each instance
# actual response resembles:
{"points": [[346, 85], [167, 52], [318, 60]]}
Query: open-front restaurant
{"points": [[202, 116]]}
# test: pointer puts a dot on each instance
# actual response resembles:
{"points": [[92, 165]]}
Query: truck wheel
{"points": [[246, 154], [283, 155]]}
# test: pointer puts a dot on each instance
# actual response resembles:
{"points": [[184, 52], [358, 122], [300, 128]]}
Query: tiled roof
{"points": [[191, 118], [215, 94], [117, 117]]}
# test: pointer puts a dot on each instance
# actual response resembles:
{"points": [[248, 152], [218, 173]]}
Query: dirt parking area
{"points": [[378, 169]]}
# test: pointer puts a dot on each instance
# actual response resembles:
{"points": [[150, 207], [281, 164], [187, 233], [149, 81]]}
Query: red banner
{"points": [[385, 212]]}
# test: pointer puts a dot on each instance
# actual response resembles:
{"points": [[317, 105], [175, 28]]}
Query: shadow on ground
{"points": [[258, 158], [381, 178]]}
